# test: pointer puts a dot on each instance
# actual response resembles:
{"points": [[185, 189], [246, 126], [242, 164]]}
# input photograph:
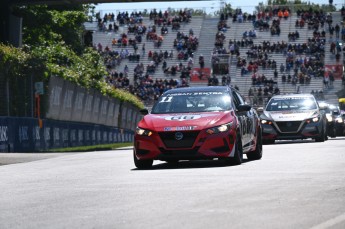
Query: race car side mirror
{"points": [[260, 109], [244, 107], [323, 106], [144, 111]]}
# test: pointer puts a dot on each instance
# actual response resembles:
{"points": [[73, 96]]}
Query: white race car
{"points": [[293, 116]]}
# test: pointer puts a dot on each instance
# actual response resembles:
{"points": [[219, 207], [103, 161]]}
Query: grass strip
{"points": [[92, 148]]}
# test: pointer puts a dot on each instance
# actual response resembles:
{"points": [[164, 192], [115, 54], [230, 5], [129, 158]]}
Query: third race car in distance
{"points": [[293, 116], [198, 123]]}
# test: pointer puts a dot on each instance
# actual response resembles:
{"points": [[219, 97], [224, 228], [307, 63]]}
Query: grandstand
{"points": [[205, 29]]}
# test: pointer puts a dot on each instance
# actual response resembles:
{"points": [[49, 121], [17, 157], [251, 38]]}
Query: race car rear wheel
{"points": [[142, 164], [257, 153]]}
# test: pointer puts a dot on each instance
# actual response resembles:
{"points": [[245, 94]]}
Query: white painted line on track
{"points": [[330, 223]]}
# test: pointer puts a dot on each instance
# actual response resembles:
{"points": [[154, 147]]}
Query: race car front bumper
{"points": [[197, 146], [291, 130]]}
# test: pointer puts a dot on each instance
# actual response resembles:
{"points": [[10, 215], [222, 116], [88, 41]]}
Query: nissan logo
{"points": [[178, 136]]}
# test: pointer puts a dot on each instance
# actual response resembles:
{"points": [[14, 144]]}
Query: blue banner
{"points": [[26, 135]]}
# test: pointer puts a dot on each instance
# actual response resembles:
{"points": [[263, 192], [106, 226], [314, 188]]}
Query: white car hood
{"points": [[296, 115]]}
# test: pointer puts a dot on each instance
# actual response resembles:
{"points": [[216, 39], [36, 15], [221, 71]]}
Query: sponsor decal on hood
{"points": [[290, 115]]}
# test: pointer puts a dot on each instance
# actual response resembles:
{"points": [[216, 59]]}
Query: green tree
{"points": [[48, 25], [52, 46]]}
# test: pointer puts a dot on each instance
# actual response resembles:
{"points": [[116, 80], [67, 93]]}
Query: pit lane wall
{"points": [[74, 117]]}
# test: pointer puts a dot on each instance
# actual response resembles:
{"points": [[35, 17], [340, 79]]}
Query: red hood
{"points": [[184, 121]]}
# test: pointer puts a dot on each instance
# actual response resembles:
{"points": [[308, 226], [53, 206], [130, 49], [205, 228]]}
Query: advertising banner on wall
{"points": [[56, 85], [78, 104], [123, 111], [96, 106], [68, 93], [129, 117], [110, 114], [134, 121], [25, 135], [87, 108], [4, 135], [117, 112], [69, 102], [103, 110]]}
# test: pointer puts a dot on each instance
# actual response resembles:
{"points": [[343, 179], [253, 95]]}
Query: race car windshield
{"points": [[291, 103], [188, 102]]}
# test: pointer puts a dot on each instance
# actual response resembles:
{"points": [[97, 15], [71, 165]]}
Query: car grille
{"points": [[290, 126], [170, 141]]}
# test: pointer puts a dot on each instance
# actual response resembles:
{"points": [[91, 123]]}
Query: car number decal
{"points": [[182, 117]]}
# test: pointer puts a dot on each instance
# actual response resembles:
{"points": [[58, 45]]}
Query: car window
{"points": [[240, 98], [291, 103], [187, 102], [237, 99]]}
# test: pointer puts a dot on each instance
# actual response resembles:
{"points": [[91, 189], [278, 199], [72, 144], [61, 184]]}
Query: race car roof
{"points": [[293, 95], [198, 89]]}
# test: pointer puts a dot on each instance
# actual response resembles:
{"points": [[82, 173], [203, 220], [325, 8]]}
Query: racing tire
{"points": [[268, 141], [340, 132], [172, 162], [142, 164], [322, 136], [333, 134], [257, 153], [238, 157]]}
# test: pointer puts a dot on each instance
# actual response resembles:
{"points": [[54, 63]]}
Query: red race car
{"points": [[198, 123]]}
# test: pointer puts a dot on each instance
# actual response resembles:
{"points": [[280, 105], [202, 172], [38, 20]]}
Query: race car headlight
{"points": [[263, 121], [329, 118], [339, 120], [315, 119], [219, 129], [143, 132]]}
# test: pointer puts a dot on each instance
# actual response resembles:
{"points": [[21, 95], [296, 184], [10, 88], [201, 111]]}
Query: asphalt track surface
{"points": [[297, 184]]}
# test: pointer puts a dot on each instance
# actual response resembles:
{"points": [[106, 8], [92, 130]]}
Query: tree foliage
{"points": [[53, 46], [47, 25]]}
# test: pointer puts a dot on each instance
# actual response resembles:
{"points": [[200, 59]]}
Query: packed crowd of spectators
{"points": [[149, 89], [304, 61], [259, 95], [165, 19], [143, 85]]}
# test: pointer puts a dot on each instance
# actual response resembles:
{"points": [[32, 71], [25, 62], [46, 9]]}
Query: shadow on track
{"points": [[299, 141], [193, 164], [282, 142]]}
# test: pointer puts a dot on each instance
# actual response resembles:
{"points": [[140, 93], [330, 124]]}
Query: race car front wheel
{"points": [[322, 136], [142, 164], [257, 153], [238, 157]]}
